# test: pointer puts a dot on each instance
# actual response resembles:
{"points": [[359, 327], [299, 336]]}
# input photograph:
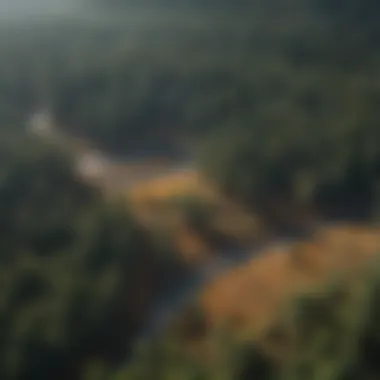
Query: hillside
{"points": [[253, 295]]}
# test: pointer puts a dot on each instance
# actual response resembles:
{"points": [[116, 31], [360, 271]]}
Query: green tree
{"points": [[70, 267]]}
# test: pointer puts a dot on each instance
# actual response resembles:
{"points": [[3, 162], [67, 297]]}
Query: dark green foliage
{"points": [[287, 95], [70, 265], [255, 365], [197, 213], [139, 81]]}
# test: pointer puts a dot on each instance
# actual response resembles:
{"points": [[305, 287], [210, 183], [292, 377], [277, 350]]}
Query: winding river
{"points": [[169, 304]]}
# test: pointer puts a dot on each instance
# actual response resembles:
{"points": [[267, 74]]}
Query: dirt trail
{"points": [[116, 175]]}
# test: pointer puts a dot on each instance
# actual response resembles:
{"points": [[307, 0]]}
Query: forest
{"points": [[277, 103]]}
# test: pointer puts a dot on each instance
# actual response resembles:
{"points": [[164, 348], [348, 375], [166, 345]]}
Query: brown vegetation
{"points": [[252, 295], [153, 204]]}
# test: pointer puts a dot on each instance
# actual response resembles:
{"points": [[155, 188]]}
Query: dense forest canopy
{"points": [[71, 268], [281, 100], [164, 75], [287, 92]]}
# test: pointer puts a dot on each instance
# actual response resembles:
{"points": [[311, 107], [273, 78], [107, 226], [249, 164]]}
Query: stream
{"points": [[170, 303]]}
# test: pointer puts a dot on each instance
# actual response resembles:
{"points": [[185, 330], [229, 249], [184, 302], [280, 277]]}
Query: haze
{"points": [[11, 8]]}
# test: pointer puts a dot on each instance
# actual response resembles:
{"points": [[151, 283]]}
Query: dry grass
{"points": [[152, 202], [191, 246], [252, 295], [168, 186]]}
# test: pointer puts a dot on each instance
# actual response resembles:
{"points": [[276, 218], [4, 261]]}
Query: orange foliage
{"points": [[165, 187], [151, 202], [193, 248], [251, 296]]}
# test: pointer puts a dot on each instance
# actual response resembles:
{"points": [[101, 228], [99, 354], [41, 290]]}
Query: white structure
{"points": [[91, 165], [41, 123]]}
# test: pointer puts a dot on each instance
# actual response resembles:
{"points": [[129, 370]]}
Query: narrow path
{"points": [[114, 174]]}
